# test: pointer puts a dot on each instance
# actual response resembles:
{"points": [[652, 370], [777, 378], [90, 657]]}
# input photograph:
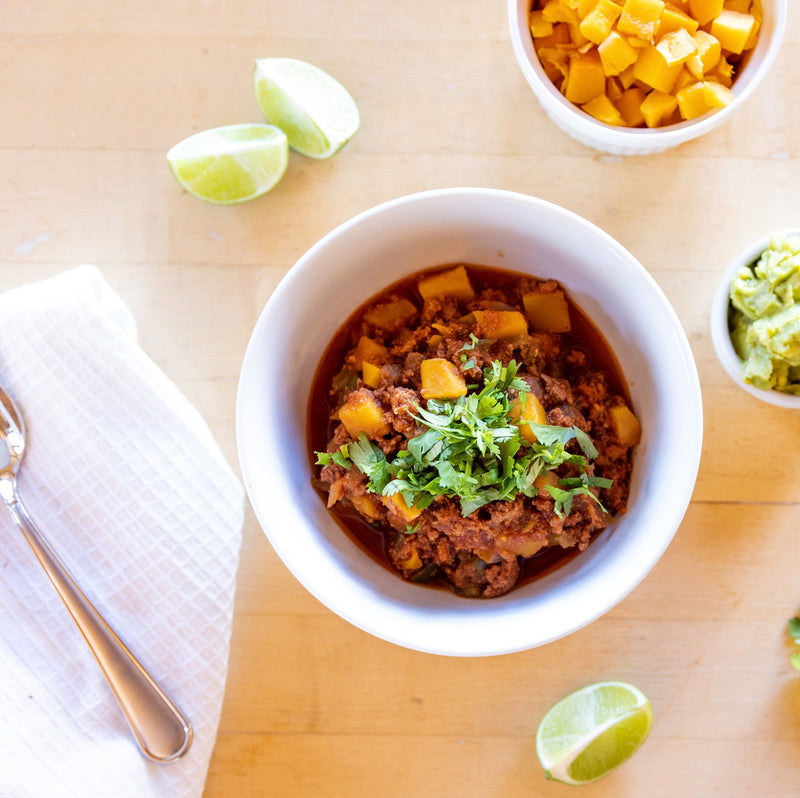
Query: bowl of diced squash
{"points": [[633, 77]]}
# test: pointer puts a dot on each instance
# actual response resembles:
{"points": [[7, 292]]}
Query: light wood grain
{"points": [[93, 95]]}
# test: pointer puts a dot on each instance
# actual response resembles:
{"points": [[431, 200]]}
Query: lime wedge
{"points": [[315, 111], [230, 164], [592, 731]]}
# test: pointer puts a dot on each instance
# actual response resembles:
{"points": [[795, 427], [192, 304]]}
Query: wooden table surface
{"points": [[94, 94]]}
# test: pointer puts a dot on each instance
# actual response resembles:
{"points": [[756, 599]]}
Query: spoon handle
{"points": [[161, 731]]}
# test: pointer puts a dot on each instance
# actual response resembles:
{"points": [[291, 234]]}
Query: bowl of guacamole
{"points": [[756, 319]]}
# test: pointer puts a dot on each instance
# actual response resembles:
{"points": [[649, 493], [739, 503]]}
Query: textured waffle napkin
{"points": [[125, 481]]}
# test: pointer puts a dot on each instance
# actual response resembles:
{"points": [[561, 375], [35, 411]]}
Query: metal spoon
{"points": [[161, 731]]}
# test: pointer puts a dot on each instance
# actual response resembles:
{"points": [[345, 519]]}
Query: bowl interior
{"points": [[592, 132], [490, 228]]}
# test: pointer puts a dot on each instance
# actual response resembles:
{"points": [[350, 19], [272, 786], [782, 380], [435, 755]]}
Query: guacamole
{"points": [[764, 319]]}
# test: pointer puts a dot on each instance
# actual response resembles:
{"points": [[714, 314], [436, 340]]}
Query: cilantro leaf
{"points": [[473, 452]]}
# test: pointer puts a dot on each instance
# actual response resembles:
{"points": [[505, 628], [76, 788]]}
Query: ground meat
{"points": [[480, 554]]}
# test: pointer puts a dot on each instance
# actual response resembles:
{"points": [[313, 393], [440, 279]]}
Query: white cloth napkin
{"points": [[125, 481]]}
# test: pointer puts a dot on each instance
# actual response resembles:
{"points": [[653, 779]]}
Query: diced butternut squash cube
{"points": [[616, 54], [362, 413], [626, 77], [705, 10], [585, 79], [441, 379], [597, 24], [556, 11], [673, 18], [630, 106], [651, 68], [684, 79], [657, 107], [546, 478], [409, 512], [692, 101], [707, 56], [524, 548], [742, 6], [538, 25], [369, 349], [613, 89], [411, 563], [732, 30], [555, 62], [500, 323], [391, 315], [640, 18], [547, 312], [453, 282], [559, 36], [676, 47], [528, 412], [585, 6], [716, 95], [626, 425], [371, 374], [602, 109]]}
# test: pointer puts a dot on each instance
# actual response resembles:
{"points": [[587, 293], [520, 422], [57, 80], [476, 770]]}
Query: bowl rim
{"points": [[720, 336], [642, 560], [599, 133]]}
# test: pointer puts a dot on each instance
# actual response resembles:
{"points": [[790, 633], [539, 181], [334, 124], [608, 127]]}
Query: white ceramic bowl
{"points": [[492, 228], [720, 336], [641, 141]]}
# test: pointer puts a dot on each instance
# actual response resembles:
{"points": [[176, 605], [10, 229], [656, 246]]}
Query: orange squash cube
{"points": [[528, 412], [585, 79], [371, 374], [626, 425], [673, 18], [409, 512], [616, 54], [705, 10], [709, 51], [441, 379], [597, 24], [657, 107], [716, 95], [369, 349], [556, 11], [453, 282], [362, 413], [538, 25], [692, 101], [500, 323], [640, 18], [742, 6], [733, 30], [651, 68], [630, 106], [677, 46], [602, 109], [390, 315], [547, 312]]}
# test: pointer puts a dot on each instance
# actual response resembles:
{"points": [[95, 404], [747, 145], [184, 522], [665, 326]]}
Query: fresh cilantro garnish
{"points": [[794, 631], [473, 452]]}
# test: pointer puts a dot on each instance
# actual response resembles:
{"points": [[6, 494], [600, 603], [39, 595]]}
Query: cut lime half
{"points": [[592, 731], [230, 164], [314, 110]]}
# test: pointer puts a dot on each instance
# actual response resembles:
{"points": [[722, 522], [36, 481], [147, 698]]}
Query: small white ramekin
{"points": [[641, 141], [720, 334]]}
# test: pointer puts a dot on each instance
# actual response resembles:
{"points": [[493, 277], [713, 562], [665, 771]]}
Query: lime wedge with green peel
{"points": [[315, 111], [592, 731], [230, 164]]}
